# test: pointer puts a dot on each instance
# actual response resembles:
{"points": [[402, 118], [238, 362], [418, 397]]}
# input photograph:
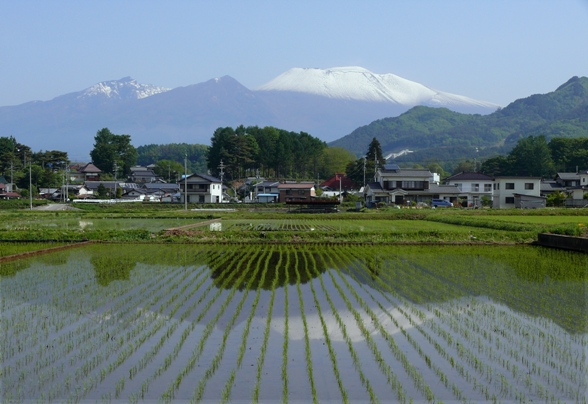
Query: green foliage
{"points": [[557, 199], [334, 160], [110, 150], [451, 136], [174, 153], [275, 152]]}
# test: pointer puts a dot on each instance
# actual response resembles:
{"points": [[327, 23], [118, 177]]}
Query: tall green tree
{"points": [[531, 157], [334, 160], [375, 152], [110, 149]]}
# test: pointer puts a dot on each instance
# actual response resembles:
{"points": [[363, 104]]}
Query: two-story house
{"points": [[83, 172], [401, 185], [517, 192], [201, 188], [473, 186], [142, 175], [296, 192]]}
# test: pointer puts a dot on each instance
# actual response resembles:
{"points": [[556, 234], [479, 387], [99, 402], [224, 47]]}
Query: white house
{"points": [[473, 186], [517, 192], [202, 188]]}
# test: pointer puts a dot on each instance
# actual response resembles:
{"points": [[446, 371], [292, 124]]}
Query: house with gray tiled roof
{"points": [[395, 185], [201, 188]]}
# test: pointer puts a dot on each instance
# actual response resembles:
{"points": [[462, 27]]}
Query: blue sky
{"points": [[494, 51]]}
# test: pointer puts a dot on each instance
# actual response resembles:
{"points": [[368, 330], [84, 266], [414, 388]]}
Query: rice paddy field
{"points": [[295, 323]]}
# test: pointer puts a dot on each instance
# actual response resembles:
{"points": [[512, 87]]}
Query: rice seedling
{"points": [[261, 358], [332, 355]]}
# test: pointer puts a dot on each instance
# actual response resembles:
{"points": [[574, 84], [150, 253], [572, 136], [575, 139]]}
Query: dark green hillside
{"points": [[431, 132]]}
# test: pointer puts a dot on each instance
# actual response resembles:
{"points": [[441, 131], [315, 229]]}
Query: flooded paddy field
{"points": [[279, 323]]}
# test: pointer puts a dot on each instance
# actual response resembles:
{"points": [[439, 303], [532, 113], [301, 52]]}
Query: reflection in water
{"points": [[287, 262], [10, 268], [110, 268]]}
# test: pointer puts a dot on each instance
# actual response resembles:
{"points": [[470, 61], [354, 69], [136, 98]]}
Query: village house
{"points": [[517, 192], [400, 186], [296, 192], [473, 186], [201, 188], [83, 172]]}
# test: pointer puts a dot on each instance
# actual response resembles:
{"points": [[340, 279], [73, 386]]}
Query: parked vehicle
{"points": [[440, 203]]}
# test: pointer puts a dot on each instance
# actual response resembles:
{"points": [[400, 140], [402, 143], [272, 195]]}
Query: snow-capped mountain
{"points": [[357, 83], [123, 89], [328, 104]]}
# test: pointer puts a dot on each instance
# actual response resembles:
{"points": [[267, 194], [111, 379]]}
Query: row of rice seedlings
{"points": [[499, 372], [452, 343], [88, 347], [137, 330], [508, 341], [332, 355], [286, 333], [170, 330], [477, 363], [508, 332], [308, 354], [167, 335], [163, 336], [226, 393], [410, 280], [554, 345], [417, 378], [225, 277], [197, 351], [353, 353], [443, 378], [199, 391], [266, 333], [41, 377]]}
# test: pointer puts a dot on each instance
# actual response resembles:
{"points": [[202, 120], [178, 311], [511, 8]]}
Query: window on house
{"points": [[509, 199], [487, 187], [288, 192], [189, 186], [509, 185], [475, 187], [458, 186], [529, 185], [496, 186], [300, 192]]}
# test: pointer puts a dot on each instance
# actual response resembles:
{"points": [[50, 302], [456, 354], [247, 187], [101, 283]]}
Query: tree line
{"points": [[536, 157], [272, 153]]}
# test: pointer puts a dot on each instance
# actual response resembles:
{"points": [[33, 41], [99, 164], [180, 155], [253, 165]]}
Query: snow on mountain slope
{"points": [[357, 83], [125, 88]]}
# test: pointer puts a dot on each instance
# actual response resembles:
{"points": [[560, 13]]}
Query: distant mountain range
{"points": [[326, 103], [438, 134]]}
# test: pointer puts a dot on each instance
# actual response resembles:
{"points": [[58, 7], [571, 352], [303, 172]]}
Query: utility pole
{"points": [[186, 181], [30, 181], [115, 170], [11, 176], [364, 163]]}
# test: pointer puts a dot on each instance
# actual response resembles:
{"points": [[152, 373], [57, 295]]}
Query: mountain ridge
{"points": [[560, 113], [158, 115]]}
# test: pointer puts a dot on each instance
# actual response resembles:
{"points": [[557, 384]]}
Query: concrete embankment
{"points": [[563, 242]]}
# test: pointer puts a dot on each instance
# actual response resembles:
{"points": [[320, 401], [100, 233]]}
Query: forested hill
{"points": [[441, 133]]}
